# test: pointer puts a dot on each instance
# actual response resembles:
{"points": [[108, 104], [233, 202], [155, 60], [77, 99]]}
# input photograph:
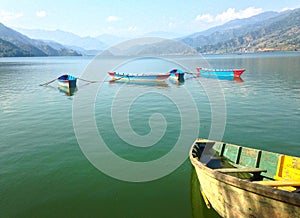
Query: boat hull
{"points": [[235, 197], [220, 72], [67, 81], [138, 77]]}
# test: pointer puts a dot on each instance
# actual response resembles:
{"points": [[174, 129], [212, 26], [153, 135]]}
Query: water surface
{"points": [[43, 172]]}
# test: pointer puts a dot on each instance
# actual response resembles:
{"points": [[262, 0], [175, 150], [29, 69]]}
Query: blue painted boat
{"points": [[220, 72], [67, 81], [138, 77], [177, 75]]}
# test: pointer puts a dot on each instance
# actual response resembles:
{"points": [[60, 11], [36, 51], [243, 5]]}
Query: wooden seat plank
{"points": [[241, 170], [279, 183]]}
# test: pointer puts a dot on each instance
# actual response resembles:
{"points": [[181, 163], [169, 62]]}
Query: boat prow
{"points": [[177, 75], [238, 72], [244, 182], [67, 81]]}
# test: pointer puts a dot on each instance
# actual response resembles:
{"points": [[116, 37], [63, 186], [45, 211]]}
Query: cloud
{"points": [[232, 14], [41, 13], [204, 18], [9, 15], [289, 8], [112, 18], [229, 14]]}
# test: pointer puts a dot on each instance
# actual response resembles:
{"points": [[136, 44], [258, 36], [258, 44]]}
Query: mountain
{"points": [[238, 23], [264, 32], [279, 33], [163, 34], [110, 40], [66, 38], [86, 44], [228, 30], [270, 31], [13, 43], [149, 46]]}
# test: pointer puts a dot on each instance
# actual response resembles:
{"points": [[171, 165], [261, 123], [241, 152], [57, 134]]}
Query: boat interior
{"points": [[258, 166]]}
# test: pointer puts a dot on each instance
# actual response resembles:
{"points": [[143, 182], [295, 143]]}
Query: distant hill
{"points": [[66, 38], [15, 44], [237, 24], [163, 34], [110, 40], [270, 31], [148, 46]]}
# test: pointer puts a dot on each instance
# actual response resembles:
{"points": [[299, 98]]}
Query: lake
{"points": [[121, 149]]}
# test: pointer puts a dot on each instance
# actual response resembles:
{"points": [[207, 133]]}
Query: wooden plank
{"points": [[231, 152], [249, 157], [269, 161], [279, 183], [241, 170], [218, 146]]}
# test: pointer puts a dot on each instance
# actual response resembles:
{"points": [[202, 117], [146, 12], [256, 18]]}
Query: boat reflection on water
{"points": [[141, 83], [199, 208], [226, 78], [66, 90], [176, 82]]}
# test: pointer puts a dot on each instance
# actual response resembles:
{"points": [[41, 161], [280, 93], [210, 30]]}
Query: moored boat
{"points": [[138, 77], [220, 72], [244, 182], [177, 75], [67, 81]]}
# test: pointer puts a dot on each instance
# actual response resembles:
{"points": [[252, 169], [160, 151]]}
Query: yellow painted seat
{"points": [[287, 175]]}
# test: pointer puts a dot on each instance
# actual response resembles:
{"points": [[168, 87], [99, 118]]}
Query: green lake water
{"points": [[46, 172]]}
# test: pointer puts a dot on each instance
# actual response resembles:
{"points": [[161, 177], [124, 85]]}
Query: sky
{"points": [[130, 18]]}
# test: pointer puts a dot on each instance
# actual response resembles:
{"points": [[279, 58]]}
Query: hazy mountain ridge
{"points": [[235, 24], [276, 33], [229, 30], [14, 44], [268, 31]]}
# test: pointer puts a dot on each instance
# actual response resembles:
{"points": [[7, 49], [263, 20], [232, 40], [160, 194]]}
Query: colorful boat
{"points": [[67, 81], [245, 182], [220, 72], [138, 77], [177, 75]]}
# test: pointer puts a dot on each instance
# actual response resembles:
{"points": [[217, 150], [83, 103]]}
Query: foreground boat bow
{"points": [[244, 182]]}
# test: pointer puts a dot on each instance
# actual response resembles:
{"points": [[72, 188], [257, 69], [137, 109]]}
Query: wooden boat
{"points": [[220, 72], [244, 182], [177, 75], [67, 81], [138, 77]]}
